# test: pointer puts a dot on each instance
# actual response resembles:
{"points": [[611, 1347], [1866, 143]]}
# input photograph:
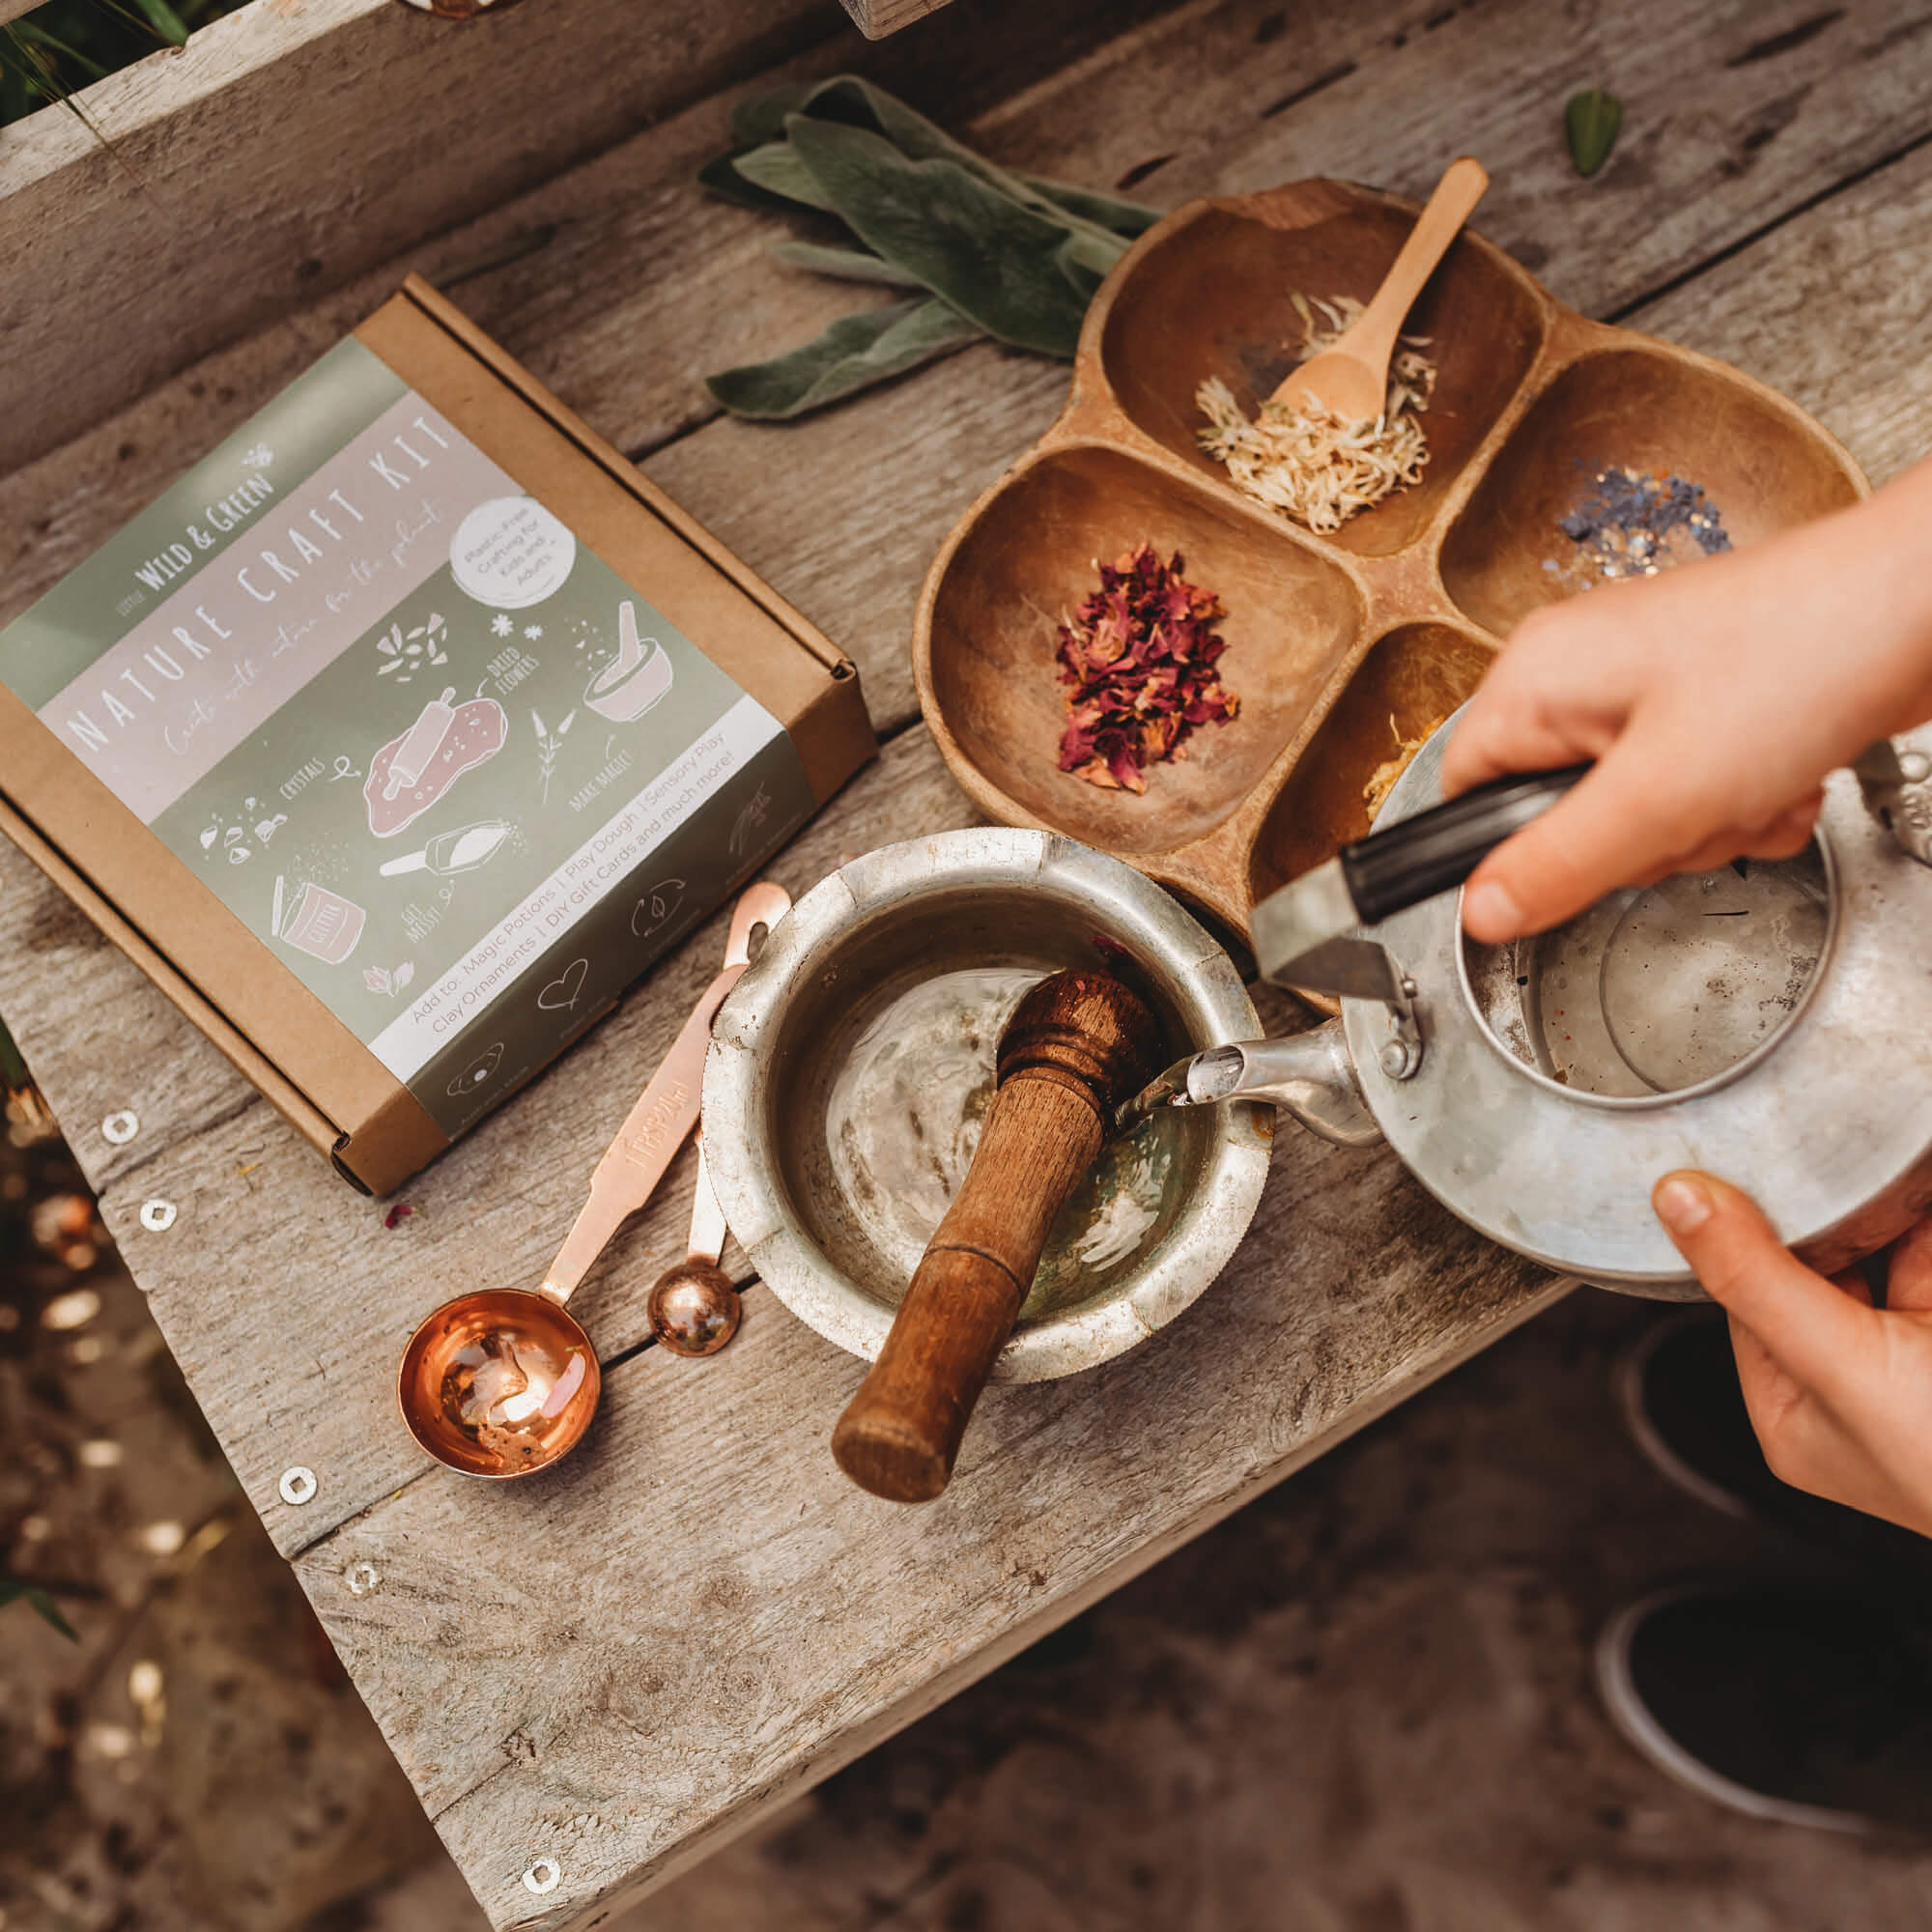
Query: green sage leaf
{"points": [[1109, 210], [164, 20], [777, 168], [1085, 261], [762, 117], [720, 176], [1012, 255], [853, 354], [993, 260], [850, 265], [846, 100], [12, 1589], [1592, 120]]}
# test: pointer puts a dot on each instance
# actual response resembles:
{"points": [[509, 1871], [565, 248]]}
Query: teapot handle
{"points": [[1438, 849]]}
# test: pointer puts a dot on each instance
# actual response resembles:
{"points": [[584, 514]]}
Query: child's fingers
{"points": [[1816, 1333], [1560, 693], [1783, 837], [1616, 825], [1502, 737]]}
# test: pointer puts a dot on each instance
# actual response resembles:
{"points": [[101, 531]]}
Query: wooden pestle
{"points": [[1077, 1045]]}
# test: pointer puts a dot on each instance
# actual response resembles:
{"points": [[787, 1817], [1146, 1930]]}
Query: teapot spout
{"points": [[1309, 1075]]}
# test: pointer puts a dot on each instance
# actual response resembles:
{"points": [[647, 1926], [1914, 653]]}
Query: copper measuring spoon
{"points": [[503, 1382], [694, 1308]]}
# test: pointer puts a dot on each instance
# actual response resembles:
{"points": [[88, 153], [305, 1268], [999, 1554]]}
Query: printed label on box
{"points": [[460, 777]]}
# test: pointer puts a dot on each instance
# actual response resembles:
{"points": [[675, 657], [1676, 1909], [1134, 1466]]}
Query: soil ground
{"points": [[1364, 1704]]}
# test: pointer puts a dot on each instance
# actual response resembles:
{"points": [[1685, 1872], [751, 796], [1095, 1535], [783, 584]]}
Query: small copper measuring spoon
{"points": [[503, 1382], [694, 1308]]}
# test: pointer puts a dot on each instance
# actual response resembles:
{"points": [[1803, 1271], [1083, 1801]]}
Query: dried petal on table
{"points": [[1142, 655], [1308, 463]]}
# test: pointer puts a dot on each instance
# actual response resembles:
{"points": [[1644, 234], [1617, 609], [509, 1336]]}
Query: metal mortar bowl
{"points": [[851, 1067]]}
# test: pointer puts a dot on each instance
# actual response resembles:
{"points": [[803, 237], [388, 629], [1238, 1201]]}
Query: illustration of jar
{"points": [[322, 923]]}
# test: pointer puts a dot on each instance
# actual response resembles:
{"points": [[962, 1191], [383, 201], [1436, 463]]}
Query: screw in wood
{"points": [[297, 1486], [543, 1875], [121, 1127], [157, 1217]]}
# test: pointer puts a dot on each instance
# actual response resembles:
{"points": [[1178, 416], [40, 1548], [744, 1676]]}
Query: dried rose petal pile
{"points": [[1142, 655]]}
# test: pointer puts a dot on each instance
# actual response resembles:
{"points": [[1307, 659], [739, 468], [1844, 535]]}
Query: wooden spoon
{"points": [[1076, 1046], [1351, 380]]}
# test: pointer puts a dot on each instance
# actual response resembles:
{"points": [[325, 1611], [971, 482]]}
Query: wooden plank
{"points": [[885, 563], [113, 1041], [876, 18], [290, 146], [813, 465], [1826, 309]]}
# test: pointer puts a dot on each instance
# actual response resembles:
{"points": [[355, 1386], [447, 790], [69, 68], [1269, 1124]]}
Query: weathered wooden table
{"points": [[618, 1666]]}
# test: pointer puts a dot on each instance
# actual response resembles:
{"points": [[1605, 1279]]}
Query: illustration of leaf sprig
{"points": [[548, 745]]}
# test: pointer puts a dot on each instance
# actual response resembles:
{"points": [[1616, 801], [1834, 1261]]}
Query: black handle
{"points": [[1419, 857]]}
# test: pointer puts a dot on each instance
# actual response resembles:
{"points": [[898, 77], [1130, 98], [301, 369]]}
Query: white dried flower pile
{"points": [[1308, 463]]}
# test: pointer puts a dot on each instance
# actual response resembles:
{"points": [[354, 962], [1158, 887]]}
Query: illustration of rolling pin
{"points": [[421, 744], [1077, 1045]]}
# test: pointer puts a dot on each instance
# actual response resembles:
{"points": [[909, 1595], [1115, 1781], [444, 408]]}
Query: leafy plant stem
{"points": [[1013, 256]]}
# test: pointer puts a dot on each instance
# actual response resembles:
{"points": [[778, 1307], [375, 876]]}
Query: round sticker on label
{"points": [[510, 553]]}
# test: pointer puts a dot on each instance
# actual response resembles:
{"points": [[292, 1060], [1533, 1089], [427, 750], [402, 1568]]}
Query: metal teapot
{"points": [[1768, 1022]]}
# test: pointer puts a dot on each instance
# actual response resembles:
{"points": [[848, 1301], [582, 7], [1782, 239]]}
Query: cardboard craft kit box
{"points": [[410, 726]]}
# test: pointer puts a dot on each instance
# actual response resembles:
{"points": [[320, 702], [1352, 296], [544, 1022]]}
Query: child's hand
{"points": [[1714, 699], [1839, 1391]]}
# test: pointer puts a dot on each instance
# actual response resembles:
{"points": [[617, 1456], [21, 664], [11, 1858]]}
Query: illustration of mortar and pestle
{"points": [[635, 679]]}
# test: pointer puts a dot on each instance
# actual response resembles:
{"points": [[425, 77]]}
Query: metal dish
{"points": [[851, 1067]]}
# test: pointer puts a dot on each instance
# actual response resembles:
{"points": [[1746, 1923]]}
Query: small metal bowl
{"points": [[850, 1070]]}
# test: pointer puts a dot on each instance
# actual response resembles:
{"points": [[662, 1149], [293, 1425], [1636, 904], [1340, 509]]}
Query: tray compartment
{"points": [[1031, 555], [1212, 298], [1654, 410], [1415, 675]]}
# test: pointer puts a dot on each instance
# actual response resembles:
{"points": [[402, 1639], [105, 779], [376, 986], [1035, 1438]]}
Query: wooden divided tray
{"points": [[1394, 617]]}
